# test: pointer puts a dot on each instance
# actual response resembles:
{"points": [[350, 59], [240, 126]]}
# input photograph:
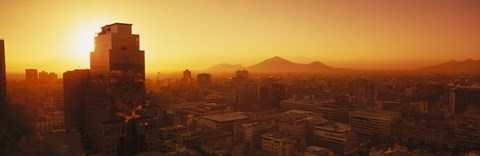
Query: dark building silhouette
{"points": [[187, 77], [117, 123], [462, 97], [3, 75], [31, 75], [259, 95], [75, 92], [204, 80], [248, 96], [365, 89], [271, 93]]}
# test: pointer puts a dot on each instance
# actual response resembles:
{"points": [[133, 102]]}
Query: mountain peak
{"points": [[276, 59]]}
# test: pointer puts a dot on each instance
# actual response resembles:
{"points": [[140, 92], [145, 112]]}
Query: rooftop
{"points": [[379, 113], [226, 117]]}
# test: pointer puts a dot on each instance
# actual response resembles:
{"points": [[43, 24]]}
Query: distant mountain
{"points": [[281, 65], [466, 66], [225, 67]]}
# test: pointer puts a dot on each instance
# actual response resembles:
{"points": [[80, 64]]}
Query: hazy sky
{"points": [[57, 35]]}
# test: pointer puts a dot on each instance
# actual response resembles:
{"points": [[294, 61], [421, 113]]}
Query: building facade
{"points": [[75, 91]]}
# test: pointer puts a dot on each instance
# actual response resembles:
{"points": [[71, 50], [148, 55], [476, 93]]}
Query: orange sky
{"points": [[369, 34]]}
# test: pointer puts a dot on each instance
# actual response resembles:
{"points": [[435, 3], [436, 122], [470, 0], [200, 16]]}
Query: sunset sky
{"points": [[57, 35]]}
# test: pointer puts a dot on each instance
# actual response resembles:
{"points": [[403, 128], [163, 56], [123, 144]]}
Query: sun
{"points": [[82, 42]]}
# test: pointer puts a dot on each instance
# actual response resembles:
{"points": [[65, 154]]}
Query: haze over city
{"points": [[370, 35], [240, 78]]}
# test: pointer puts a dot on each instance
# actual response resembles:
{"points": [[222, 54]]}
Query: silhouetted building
{"points": [[187, 77], [248, 96], [31, 75], [45, 77], [204, 80], [75, 91], [363, 88], [271, 93], [462, 97], [3, 74], [117, 123], [241, 74]]}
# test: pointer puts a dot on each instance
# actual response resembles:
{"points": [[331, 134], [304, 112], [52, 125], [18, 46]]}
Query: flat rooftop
{"points": [[378, 113], [227, 117]]}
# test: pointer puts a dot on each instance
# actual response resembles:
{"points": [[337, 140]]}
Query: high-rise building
{"points": [[248, 96], [116, 120], [204, 80], [75, 92], [187, 77], [462, 97], [3, 83], [31, 75], [271, 93]]}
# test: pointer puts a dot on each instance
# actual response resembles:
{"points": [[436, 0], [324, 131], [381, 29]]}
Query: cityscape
{"points": [[124, 100]]}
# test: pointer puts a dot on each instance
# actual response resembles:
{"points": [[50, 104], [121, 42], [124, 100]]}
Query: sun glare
{"points": [[83, 42]]}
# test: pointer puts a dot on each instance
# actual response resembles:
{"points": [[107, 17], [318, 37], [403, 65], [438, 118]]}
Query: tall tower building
{"points": [[117, 122], [75, 92], [3, 81], [117, 69]]}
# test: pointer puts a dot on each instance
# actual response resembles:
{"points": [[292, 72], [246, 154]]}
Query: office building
{"points": [[75, 91], [117, 123], [336, 137], [462, 97], [373, 122]]}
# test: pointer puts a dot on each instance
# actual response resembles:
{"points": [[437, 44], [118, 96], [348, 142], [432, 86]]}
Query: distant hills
{"points": [[466, 66], [280, 65], [276, 65]]}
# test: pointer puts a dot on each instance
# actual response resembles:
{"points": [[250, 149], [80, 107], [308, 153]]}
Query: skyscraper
{"points": [[75, 92], [117, 123], [3, 83], [117, 68]]}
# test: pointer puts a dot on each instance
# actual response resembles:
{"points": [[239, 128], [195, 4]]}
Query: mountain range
{"points": [[280, 65], [276, 65], [466, 66]]}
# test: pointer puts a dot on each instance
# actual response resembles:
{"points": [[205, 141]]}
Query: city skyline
{"points": [[199, 35]]}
